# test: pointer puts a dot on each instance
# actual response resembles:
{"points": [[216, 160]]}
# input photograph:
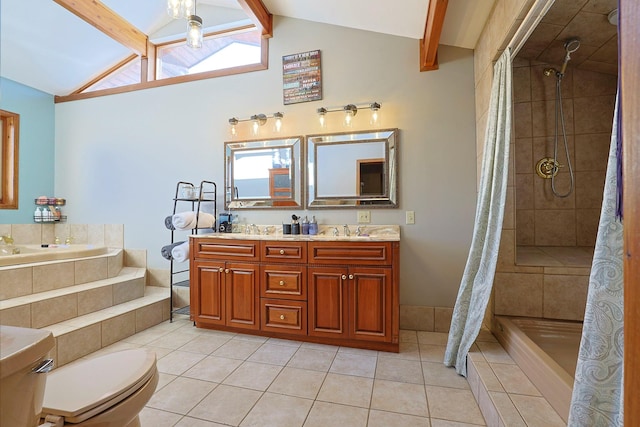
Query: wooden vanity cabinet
{"points": [[225, 293], [283, 287], [332, 292], [354, 302]]}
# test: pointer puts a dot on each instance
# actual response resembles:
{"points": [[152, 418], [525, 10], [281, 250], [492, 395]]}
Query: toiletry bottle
{"points": [[295, 225], [235, 224], [37, 215], [305, 225], [313, 226]]}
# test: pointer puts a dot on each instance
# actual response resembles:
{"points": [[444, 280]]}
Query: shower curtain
{"points": [[477, 279], [597, 398]]}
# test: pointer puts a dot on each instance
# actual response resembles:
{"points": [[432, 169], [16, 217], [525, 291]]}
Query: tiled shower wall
{"points": [[543, 219]]}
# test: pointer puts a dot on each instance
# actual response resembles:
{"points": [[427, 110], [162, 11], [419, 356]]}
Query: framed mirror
{"points": [[355, 169], [263, 174]]}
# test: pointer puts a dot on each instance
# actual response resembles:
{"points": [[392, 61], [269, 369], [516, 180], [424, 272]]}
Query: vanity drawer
{"points": [[283, 281], [284, 316], [278, 251], [345, 252], [225, 249]]}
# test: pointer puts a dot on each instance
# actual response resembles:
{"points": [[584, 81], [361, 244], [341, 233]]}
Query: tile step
{"points": [[85, 334], [51, 307]]}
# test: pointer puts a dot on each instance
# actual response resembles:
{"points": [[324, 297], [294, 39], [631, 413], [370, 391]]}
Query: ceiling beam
{"points": [[106, 20], [259, 14], [432, 30]]}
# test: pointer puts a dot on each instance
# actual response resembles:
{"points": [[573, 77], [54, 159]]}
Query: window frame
{"points": [[146, 62], [9, 151]]}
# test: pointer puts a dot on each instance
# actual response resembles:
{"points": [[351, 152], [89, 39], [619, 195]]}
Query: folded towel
{"points": [[187, 220], [166, 250], [168, 222], [180, 253]]}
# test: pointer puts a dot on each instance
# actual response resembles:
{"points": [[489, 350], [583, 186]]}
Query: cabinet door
{"points": [[327, 302], [241, 285], [207, 293], [370, 308]]}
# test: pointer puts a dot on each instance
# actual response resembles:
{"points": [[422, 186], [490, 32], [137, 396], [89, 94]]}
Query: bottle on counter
{"points": [[295, 225], [305, 225], [313, 226]]}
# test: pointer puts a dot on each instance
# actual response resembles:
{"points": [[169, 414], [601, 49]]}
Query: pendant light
{"points": [[187, 9]]}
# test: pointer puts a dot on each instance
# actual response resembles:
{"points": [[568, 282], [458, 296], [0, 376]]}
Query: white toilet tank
{"points": [[21, 388]]}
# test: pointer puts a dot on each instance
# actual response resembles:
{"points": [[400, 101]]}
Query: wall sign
{"points": [[302, 77]]}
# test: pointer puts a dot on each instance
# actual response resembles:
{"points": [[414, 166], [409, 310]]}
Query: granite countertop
{"points": [[368, 233]]}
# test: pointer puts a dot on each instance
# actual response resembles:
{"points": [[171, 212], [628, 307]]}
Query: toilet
{"points": [[105, 391]]}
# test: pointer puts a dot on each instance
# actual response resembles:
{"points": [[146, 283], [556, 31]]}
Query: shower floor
{"points": [[554, 256]]}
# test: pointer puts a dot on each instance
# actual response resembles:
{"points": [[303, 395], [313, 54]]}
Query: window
{"points": [[218, 52], [126, 74], [9, 131]]}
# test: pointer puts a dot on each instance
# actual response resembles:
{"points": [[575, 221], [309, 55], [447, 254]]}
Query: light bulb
{"points": [[375, 114], [194, 32], [322, 117], [255, 127], [349, 112], [348, 118], [233, 131], [174, 9], [277, 126], [188, 7]]}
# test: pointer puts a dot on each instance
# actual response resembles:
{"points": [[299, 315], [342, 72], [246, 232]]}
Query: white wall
{"points": [[118, 157]]}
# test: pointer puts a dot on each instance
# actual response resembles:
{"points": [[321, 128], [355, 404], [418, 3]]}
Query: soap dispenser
{"points": [[305, 225], [313, 226]]}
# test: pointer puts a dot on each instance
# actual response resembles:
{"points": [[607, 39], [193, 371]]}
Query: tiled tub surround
{"points": [[88, 302]]}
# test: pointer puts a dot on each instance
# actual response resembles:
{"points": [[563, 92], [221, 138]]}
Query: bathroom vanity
{"points": [[324, 289]]}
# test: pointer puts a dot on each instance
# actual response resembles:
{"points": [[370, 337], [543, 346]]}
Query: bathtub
{"points": [[546, 351], [36, 253]]}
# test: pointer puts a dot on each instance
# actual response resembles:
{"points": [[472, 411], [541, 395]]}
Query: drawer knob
{"points": [[344, 277], [281, 282], [351, 276], [281, 251], [282, 317], [226, 270], [221, 270]]}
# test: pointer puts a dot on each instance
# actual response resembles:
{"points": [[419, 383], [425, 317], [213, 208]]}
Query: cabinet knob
{"points": [[344, 277], [226, 270], [281, 251], [351, 276], [282, 317], [221, 269], [281, 282]]}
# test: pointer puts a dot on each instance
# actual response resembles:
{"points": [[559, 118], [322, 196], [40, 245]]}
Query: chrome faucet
{"points": [[335, 231], [8, 240], [358, 231], [68, 240], [347, 232]]}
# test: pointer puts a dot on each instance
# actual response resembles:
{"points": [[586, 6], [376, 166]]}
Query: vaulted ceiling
{"points": [[57, 52]]}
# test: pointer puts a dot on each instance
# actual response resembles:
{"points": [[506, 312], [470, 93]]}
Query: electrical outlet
{"points": [[364, 217], [410, 217]]}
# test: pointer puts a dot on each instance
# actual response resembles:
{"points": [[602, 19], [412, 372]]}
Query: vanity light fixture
{"points": [[257, 120], [350, 111]]}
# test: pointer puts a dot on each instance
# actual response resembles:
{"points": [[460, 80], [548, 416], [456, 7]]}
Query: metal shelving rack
{"points": [[207, 194]]}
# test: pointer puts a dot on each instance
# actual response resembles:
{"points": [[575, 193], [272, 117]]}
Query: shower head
{"points": [[570, 45]]}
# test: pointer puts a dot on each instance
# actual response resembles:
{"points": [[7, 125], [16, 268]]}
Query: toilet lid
{"points": [[88, 387]]}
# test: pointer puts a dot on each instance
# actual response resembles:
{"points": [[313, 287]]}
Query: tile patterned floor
{"points": [[211, 379]]}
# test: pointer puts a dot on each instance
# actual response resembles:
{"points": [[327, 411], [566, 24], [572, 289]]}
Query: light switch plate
{"points": [[364, 217], [410, 217]]}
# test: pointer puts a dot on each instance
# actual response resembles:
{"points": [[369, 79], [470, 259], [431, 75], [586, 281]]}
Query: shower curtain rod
{"points": [[530, 22]]}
